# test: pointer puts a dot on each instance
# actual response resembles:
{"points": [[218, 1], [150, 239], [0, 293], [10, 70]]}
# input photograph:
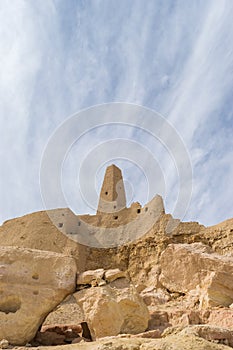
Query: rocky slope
{"points": [[168, 286], [140, 258]]}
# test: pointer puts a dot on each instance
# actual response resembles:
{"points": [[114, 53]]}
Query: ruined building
{"points": [[113, 223]]}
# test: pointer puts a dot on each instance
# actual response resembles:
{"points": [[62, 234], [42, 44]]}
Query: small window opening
{"points": [[60, 224], [35, 276], [146, 209], [79, 223], [106, 193], [138, 211], [115, 217]]}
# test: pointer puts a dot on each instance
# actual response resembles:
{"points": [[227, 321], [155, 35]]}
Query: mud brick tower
{"points": [[112, 196]]}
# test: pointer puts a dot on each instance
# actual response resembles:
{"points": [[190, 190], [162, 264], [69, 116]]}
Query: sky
{"points": [[58, 58]]}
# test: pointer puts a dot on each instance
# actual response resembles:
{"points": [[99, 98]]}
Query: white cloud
{"points": [[21, 54], [58, 57]]}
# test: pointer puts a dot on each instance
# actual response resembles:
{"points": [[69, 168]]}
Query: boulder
{"points": [[113, 274], [185, 267], [155, 296], [113, 309], [91, 277], [210, 333], [158, 320], [48, 338], [70, 331], [216, 290], [98, 277], [4, 344], [222, 317], [32, 283], [67, 312], [59, 334], [183, 318]]}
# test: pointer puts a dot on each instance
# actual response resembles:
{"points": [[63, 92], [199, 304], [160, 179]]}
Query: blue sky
{"points": [[59, 57]]}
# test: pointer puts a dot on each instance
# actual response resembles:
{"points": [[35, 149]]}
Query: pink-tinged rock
{"points": [[152, 296], [210, 333], [221, 318]]}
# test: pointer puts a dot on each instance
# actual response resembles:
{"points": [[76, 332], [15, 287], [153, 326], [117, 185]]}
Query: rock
{"points": [[114, 308], [58, 334], [153, 296], [180, 283], [153, 334], [171, 330], [221, 317], [113, 274], [81, 340], [77, 340], [184, 318], [70, 331], [36, 231], [216, 289], [220, 237], [210, 333], [4, 344], [32, 283], [174, 315], [158, 320], [171, 342], [48, 338], [91, 277], [67, 312], [98, 277], [189, 266]]}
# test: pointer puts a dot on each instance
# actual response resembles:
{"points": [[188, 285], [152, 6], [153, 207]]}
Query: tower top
{"points": [[112, 194]]}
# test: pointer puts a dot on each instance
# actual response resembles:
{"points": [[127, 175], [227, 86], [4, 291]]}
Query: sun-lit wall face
{"points": [[111, 228], [112, 196]]}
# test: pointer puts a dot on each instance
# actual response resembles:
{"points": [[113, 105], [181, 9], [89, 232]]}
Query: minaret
{"points": [[112, 195]]}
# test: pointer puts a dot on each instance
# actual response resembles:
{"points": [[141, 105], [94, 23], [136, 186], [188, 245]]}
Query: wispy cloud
{"points": [[176, 57]]}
